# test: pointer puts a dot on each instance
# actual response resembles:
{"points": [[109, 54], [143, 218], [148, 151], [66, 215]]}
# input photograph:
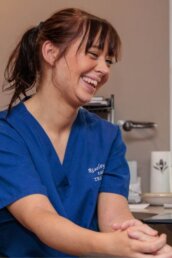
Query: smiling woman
{"points": [[61, 30], [85, 72], [63, 172]]}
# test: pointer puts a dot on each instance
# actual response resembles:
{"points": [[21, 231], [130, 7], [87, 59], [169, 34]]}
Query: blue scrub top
{"points": [[94, 162]]}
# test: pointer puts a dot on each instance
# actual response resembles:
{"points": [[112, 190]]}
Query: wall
{"points": [[140, 81]]}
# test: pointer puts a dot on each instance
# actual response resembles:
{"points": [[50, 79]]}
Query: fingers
{"points": [[139, 235], [165, 249], [133, 223], [143, 229], [126, 224], [148, 230], [116, 226], [166, 255], [130, 223], [150, 247]]}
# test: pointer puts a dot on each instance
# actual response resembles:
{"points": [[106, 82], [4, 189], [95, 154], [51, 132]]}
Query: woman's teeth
{"points": [[90, 81]]}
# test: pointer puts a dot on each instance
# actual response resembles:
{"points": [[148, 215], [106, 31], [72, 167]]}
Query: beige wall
{"points": [[140, 81]]}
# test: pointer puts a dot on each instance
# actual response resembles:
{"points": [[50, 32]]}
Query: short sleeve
{"points": [[18, 176], [116, 175]]}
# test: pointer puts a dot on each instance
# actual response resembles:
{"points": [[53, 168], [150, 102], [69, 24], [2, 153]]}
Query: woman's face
{"points": [[78, 75]]}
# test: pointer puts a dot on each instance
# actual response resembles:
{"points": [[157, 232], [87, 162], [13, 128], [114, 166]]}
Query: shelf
{"points": [[100, 104]]}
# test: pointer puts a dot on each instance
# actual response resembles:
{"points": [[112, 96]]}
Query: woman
{"points": [[63, 172]]}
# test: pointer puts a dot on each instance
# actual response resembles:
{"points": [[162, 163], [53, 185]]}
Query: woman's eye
{"points": [[95, 55], [109, 62]]}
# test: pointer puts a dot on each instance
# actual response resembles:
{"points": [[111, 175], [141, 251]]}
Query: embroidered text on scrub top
{"points": [[97, 172]]}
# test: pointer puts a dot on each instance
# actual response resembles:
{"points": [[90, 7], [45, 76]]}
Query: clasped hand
{"points": [[142, 232]]}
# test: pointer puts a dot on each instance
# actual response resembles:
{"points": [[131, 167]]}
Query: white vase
{"points": [[160, 171]]}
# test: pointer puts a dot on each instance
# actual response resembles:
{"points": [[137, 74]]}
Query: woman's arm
{"points": [[114, 213], [112, 209], [36, 213]]}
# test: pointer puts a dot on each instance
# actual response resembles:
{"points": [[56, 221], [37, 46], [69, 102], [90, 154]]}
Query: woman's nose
{"points": [[102, 67]]}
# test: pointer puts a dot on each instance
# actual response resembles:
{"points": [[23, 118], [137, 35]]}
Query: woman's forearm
{"points": [[112, 208], [64, 235], [36, 213]]}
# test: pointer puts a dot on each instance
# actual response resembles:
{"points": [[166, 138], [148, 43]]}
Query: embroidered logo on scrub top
{"points": [[97, 172]]}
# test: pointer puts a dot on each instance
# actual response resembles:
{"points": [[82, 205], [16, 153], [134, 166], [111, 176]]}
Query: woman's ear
{"points": [[49, 52]]}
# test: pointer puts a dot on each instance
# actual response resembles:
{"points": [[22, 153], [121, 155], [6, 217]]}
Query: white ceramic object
{"points": [[157, 198], [160, 171], [139, 206]]}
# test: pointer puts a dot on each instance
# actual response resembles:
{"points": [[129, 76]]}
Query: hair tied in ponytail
{"points": [[39, 26]]}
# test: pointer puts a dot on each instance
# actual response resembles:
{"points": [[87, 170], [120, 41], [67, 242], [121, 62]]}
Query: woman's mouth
{"points": [[90, 81]]}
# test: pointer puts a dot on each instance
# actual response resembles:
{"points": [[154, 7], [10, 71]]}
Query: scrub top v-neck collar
{"points": [[45, 140]]}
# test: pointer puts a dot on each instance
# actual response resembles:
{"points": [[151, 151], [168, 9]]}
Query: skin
{"points": [[63, 82], [135, 228]]}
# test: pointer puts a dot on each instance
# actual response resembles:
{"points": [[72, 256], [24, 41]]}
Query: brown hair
{"points": [[61, 29]]}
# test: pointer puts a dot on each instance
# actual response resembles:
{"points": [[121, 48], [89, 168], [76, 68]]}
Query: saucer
{"points": [[157, 198], [138, 206]]}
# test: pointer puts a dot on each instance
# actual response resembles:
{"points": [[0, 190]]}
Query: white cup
{"points": [[160, 171]]}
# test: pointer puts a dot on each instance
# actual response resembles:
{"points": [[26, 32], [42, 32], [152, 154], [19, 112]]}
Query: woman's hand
{"points": [[165, 251], [142, 232], [137, 224], [120, 244]]}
